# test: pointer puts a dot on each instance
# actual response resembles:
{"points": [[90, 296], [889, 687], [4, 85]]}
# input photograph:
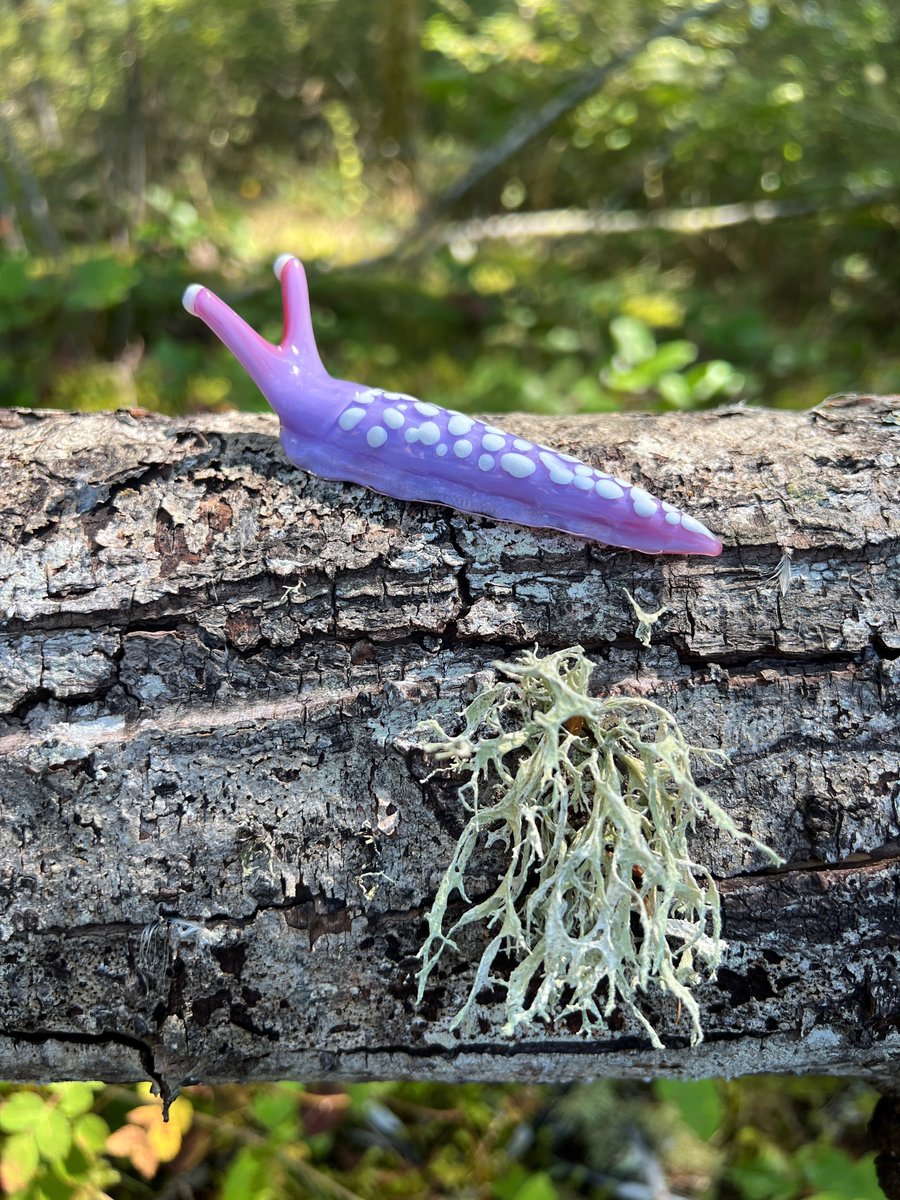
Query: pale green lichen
{"points": [[646, 620], [593, 800]]}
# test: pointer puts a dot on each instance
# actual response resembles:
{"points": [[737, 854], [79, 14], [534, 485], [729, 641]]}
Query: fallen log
{"points": [[220, 835]]}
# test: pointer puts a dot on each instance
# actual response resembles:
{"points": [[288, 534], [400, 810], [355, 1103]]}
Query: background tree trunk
{"points": [[398, 27], [218, 836]]}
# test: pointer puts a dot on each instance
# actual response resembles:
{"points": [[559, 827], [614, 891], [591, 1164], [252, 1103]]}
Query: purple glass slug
{"points": [[411, 450]]}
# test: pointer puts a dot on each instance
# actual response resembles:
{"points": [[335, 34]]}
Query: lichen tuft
{"points": [[593, 799]]}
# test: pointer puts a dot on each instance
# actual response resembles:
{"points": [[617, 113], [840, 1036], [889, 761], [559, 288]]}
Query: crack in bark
{"points": [[106, 1037]]}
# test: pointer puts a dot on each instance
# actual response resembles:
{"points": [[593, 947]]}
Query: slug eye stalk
{"points": [[273, 369]]}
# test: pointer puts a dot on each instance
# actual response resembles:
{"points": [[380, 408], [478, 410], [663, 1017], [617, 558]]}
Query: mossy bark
{"points": [[218, 838]]}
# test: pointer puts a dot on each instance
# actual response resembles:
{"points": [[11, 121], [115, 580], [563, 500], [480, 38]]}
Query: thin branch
{"points": [[573, 222], [531, 125]]}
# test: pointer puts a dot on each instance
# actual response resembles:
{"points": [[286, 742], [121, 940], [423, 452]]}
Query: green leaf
{"points": [[52, 1133], [20, 1111], [673, 356], [99, 283], [675, 390], [667, 359], [712, 378], [76, 1165], [73, 1099], [838, 1176], [243, 1176], [634, 341], [563, 340], [698, 1101], [15, 280], [91, 1131], [18, 1163], [50, 1187], [768, 1176], [274, 1107], [508, 1185], [538, 1187]]}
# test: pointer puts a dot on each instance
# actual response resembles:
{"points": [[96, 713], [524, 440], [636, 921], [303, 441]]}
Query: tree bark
{"points": [[218, 833]]}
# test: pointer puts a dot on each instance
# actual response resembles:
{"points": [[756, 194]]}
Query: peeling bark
{"points": [[218, 834]]}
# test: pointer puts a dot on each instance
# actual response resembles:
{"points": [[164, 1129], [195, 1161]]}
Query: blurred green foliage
{"points": [[760, 1139], [150, 142], [147, 143]]}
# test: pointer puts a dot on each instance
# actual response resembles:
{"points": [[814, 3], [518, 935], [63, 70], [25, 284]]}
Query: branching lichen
{"points": [[646, 620], [593, 800]]}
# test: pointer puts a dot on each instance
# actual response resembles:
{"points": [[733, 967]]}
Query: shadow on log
{"points": [[218, 837]]}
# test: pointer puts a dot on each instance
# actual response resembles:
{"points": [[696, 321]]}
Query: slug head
{"points": [[283, 373]]}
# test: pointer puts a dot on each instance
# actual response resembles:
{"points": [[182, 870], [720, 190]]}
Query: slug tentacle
{"points": [[251, 350], [412, 450], [298, 338]]}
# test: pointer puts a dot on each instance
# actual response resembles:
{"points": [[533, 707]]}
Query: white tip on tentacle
{"points": [[280, 263], [190, 296]]}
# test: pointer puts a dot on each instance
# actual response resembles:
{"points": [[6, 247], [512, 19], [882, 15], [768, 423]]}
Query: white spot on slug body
{"points": [[643, 502], [441, 450], [517, 465], [608, 489], [582, 481], [351, 417], [521, 444], [581, 469], [412, 435], [376, 436], [485, 462], [429, 432], [559, 473], [427, 410], [463, 448], [492, 441], [694, 526], [458, 425], [673, 517], [392, 418]]}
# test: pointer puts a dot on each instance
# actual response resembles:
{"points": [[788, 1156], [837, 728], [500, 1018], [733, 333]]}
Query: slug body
{"points": [[411, 450]]}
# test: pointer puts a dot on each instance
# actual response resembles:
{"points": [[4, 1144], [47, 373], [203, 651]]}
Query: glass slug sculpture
{"points": [[411, 450]]}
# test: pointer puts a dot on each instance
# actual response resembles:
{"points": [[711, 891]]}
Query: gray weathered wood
{"points": [[217, 839]]}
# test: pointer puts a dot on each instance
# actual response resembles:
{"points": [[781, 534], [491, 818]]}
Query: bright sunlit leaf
{"points": [[698, 1101], [73, 1099], [20, 1111], [52, 1132], [18, 1162]]}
